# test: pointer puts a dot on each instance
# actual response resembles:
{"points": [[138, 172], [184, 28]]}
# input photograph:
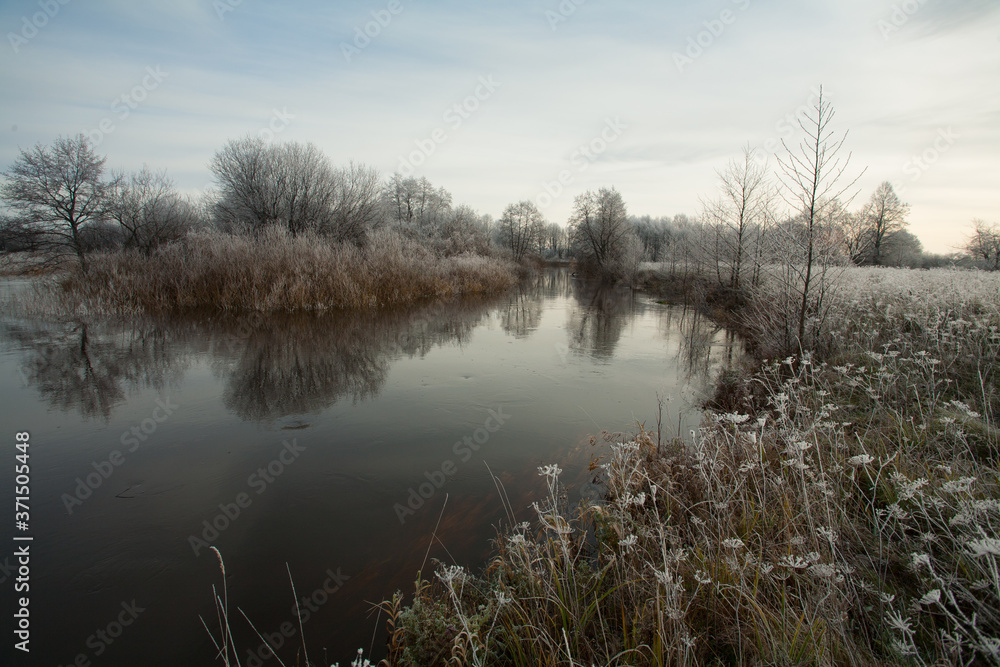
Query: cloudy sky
{"points": [[500, 100]]}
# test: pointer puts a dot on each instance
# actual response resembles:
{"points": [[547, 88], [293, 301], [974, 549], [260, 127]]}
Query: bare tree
{"points": [[416, 205], [740, 215], [148, 209], [685, 245], [883, 215], [628, 261], [600, 228], [249, 192], [984, 244], [654, 234], [295, 186], [16, 235], [857, 238], [519, 228], [57, 191], [305, 184], [555, 240], [812, 176], [901, 248], [357, 203]]}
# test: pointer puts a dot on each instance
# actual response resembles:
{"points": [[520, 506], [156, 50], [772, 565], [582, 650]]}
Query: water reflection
{"points": [[91, 366], [523, 312], [306, 363], [281, 365], [271, 366], [699, 340], [599, 317]]}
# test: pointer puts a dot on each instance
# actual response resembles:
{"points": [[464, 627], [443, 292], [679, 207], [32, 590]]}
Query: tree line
{"points": [[59, 203]]}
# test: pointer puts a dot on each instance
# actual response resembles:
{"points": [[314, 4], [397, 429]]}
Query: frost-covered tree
{"points": [[813, 179], [984, 244], [520, 228], [739, 218], [599, 228], [883, 215]]}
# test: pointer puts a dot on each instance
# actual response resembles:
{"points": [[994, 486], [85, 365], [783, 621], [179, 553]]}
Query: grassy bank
{"points": [[843, 510], [278, 272]]}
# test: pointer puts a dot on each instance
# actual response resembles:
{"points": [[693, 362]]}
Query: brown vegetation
{"points": [[278, 272]]}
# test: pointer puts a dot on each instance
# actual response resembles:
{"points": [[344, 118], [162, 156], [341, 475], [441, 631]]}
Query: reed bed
{"points": [[844, 511], [277, 272]]}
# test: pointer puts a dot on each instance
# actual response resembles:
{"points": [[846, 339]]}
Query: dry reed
{"points": [[278, 272]]}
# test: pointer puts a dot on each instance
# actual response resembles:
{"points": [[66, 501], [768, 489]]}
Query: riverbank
{"points": [[843, 508], [276, 272]]}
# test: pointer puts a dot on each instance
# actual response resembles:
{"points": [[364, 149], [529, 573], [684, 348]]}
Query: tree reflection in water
{"points": [[600, 314], [282, 364], [296, 364], [90, 367], [599, 317], [272, 366]]}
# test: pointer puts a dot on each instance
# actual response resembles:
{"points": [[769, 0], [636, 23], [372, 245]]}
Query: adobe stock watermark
{"points": [[105, 636], [698, 43], [580, 159], [899, 16], [594, 491], [31, 25], [7, 569], [236, 342], [259, 481], [123, 106], [131, 440], [278, 122], [437, 478], [562, 12], [363, 35], [917, 165], [405, 339], [786, 127], [454, 117], [304, 609], [223, 7], [562, 349]]}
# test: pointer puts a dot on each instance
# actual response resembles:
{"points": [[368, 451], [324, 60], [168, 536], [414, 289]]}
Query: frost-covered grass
{"points": [[845, 511], [844, 297], [276, 272]]}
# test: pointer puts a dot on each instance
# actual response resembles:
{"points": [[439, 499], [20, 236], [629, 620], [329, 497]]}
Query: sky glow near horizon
{"points": [[500, 101]]}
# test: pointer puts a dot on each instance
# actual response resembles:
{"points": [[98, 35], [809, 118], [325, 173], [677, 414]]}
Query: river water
{"points": [[328, 446]]}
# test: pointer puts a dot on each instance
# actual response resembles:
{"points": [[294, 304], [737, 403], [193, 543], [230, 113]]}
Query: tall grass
{"points": [[222, 638], [846, 511], [278, 272]]}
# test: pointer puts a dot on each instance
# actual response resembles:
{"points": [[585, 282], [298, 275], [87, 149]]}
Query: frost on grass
{"points": [[849, 513], [277, 272]]}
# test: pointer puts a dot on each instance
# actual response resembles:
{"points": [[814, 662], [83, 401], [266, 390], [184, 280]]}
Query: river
{"points": [[324, 444]]}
